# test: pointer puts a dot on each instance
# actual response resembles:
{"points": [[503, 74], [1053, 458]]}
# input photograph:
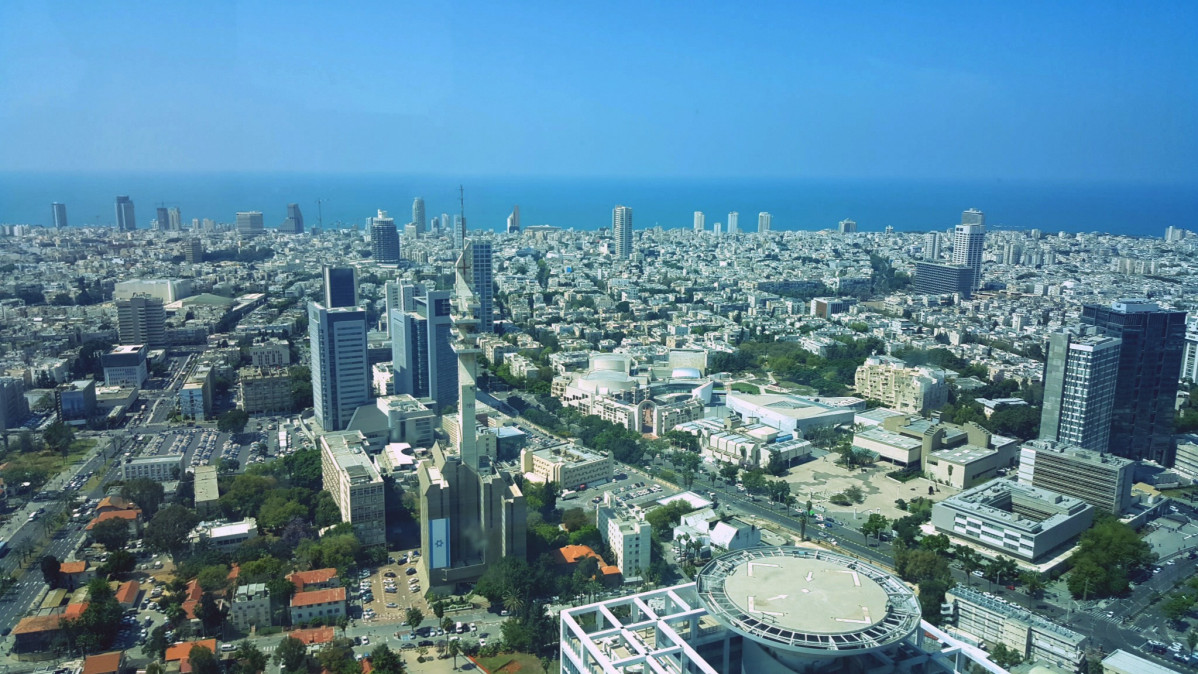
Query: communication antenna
{"points": [[462, 202], [319, 213]]}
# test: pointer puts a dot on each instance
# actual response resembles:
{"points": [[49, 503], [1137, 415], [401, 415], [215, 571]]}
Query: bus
{"points": [[3, 547]]}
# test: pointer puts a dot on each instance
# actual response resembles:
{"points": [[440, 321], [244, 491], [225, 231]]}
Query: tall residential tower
{"points": [[125, 220], [621, 229], [969, 239], [1079, 390]]}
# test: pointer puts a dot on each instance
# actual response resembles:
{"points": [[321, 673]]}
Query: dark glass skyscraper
{"points": [[1149, 366], [59, 211], [125, 221], [340, 287]]}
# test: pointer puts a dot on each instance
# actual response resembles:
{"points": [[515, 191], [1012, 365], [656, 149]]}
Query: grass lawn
{"points": [[46, 462], [744, 387], [511, 663]]}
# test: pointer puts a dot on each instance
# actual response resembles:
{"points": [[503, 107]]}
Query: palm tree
{"points": [[455, 648], [512, 601]]}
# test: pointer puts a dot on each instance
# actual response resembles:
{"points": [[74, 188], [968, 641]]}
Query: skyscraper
{"points": [[764, 222], [340, 287], [125, 220], [162, 220], [141, 319], [1149, 366], [340, 367], [294, 223], [1079, 390], [58, 211], [700, 223], [847, 226], [734, 223], [968, 241], [478, 258], [249, 223], [621, 227], [459, 231], [384, 239], [422, 355], [445, 221], [513, 220], [931, 246], [418, 215], [175, 218]]}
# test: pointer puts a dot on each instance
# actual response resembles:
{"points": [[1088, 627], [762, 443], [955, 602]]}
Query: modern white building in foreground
{"points": [[770, 610]]}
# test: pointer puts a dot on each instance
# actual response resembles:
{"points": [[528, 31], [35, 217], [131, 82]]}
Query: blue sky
{"points": [[939, 90]]}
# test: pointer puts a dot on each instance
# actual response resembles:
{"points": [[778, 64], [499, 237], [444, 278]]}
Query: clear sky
{"points": [[936, 90]]}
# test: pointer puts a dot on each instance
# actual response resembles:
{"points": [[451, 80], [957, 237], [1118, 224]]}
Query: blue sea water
{"points": [[1137, 209]]}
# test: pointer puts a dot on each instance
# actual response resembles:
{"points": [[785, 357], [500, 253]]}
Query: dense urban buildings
{"points": [[1102, 480], [1149, 368]]}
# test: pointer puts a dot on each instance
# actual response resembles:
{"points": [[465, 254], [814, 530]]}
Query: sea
{"points": [[346, 200]]}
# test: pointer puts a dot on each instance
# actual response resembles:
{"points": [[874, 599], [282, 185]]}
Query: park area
{"points": [[511, 663]]}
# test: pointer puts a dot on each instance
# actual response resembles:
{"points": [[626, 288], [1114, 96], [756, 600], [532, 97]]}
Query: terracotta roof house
{"points": [[316, 579], [104, 663]]}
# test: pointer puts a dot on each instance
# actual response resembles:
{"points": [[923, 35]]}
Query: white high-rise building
{"points": [[717, 228], [764, 221], [931, 246], [1080, 375], [418, 218], [734, 223], [513, 221], [621, 227], [968, 241], [700, 221]]}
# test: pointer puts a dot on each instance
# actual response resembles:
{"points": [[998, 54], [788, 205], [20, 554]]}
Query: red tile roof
{"points": [[181, 650], [73, 567], [313, 577], [128, 515], [127, 592], [104, 663], [39, 623], [318, 597], [74, 610]]}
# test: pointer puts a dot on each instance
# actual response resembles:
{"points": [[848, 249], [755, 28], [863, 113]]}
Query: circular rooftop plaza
{"points": [[808, 601]]}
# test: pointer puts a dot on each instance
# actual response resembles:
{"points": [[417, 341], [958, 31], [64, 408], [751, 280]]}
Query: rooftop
{"points": [[806, 600], [313, 597]]}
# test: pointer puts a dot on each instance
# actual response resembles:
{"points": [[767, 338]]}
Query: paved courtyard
{"points": [[820, 479]]}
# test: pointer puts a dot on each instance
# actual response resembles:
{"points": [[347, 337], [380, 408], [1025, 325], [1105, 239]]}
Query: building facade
{"points": [[250, 607], [1080, 375], [910, 390], [125, 219], [141, 320], [621, 227], [264, 391], [568, 465], [157, 468], [422, 352], [630, 539], [352, 480], [1149, 367], [340, 367], [384, 239], [1102, 480], [1015, 519], [1034, 638], [969, 240], [125, 365], [933, 278]]}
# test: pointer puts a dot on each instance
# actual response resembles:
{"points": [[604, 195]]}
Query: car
{"points": [[977, 573], [426, 642], [365, 641], [357, 641], [392, 604], [390, 574], [227, 647], [504, 613], [411, 570]]}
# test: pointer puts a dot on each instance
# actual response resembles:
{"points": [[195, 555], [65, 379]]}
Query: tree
{"points": [[113, 534], [203, 661], [455, 647], [167, 531], [969, 559], [327, 512], [337, 657], [385, 661], [1105, 558], [58, 437], [729, 472], [96, 628], [250, 660], [875, 525], [50, 569], [414, 617], [1001, 567], [1032, 583], [1005, 657], [146, 493], [211, 614], [291, 654], [233, 421], [213, 578], [119, 561]]}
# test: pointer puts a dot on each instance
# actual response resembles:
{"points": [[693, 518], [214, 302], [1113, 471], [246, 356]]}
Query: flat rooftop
{"points": [[807, 600]]}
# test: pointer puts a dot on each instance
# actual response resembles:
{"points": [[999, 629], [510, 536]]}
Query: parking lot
{"points": [[390, 590]]}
